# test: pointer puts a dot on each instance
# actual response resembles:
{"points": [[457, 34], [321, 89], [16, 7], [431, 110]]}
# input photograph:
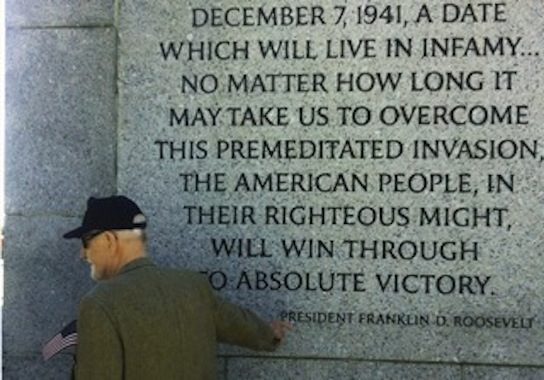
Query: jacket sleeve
{"points": [[241, 327], [99, 350]]}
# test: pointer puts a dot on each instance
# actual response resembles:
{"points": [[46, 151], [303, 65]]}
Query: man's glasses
{"points": [[86, 239]]}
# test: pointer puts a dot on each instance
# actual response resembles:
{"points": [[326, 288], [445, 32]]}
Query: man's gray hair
{"points": [[133, 233]]}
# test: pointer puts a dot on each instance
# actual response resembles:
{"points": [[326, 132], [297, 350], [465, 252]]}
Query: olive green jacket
{"points": [[152, 323]]}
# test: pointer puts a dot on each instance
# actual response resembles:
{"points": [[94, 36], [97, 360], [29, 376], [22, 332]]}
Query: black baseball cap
{"points": [[112, 213]]}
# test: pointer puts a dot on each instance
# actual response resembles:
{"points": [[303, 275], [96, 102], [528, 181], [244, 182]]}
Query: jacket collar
{"points": [[136, 264]]}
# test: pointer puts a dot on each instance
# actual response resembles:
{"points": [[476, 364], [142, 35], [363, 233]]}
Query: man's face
{"points": [[98, 252]]}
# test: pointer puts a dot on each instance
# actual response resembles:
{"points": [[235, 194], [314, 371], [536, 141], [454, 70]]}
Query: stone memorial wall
{"points": [[370, 171]]}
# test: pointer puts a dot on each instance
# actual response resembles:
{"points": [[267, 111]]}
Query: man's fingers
{"points": [[280, 328]]}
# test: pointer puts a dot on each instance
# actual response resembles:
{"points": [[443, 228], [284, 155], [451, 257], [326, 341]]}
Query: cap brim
{"points": [[75, 234]]}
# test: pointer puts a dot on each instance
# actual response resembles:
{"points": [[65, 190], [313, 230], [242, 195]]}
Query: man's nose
{"points": [[82, 253]]}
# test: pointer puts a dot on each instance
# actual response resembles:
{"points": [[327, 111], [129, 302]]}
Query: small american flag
{"points": [[65, 338]]}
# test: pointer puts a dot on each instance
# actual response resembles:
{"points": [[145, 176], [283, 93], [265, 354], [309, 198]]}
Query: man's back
{"points": [[156, 323]]}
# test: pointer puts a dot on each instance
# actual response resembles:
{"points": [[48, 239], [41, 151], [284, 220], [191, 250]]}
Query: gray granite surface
{"points": [[271, 369], [498, 321], [60, 117], [64, 142], [38, 13], [44, 281], [33, 367], [503, 373]]}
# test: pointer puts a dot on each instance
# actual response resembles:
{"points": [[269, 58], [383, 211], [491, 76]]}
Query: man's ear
{"points": [[111, 240]]}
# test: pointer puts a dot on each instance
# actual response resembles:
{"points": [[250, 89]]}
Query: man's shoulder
{"points": [[100, 291], [149, 275], [183, 276]]}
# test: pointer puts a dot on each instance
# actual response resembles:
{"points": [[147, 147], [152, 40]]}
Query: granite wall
{"points": [[60, 147], [370, 171]]}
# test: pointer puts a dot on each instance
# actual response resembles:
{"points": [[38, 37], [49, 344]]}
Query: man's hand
{"points": [[280, 329]]}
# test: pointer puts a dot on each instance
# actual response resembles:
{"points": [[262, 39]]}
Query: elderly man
{"points": [[142, 321]]}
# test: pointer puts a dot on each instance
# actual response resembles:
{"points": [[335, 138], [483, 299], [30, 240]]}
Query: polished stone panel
{"points": [[26, 367], [60, 118], [503, 373], [406, 303], [44, 281], [33, 13], [268, 369]]}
